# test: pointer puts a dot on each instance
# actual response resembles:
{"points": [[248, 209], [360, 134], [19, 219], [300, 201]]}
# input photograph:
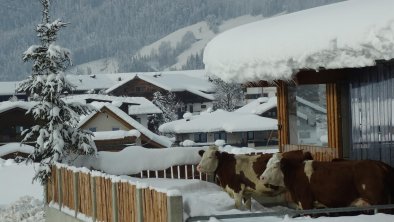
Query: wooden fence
{"points": [[107, 198], [174, 172], [318, 153]]}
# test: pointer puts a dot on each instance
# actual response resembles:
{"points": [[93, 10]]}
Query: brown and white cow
{"points": [[331, 184], [239, 175]]}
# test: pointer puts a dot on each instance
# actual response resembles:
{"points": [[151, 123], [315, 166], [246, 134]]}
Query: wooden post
{"points": [[139, 202], [76, 202], [59, 187], [115, 215], [174, 208], [94, 202]]}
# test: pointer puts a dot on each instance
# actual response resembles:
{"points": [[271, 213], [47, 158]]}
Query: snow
{"points": [[118, 134], [137, 105], [8, 88], [8, 105], [200, 198], [202, 33], [134, 159], [352, 33], [220, 120], [15, 147], [16, 182], [259, 106]]}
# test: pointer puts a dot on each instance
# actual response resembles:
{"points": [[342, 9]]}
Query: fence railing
{"points": [[174, 172], [318, 153], [101, 197]]}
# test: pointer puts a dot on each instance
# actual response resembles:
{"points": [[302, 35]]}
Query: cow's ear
{"points": [[308, 156], [217, 154], [201, 152]]}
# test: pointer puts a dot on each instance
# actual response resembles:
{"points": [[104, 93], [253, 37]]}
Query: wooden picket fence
{"points": [[174, 172], [102, 198], [318, 153]]}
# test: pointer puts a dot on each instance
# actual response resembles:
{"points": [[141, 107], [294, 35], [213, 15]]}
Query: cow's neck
{"points": [[226, 160]]}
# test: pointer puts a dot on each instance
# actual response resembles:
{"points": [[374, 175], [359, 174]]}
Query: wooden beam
{"points": [[283, 116], [333, 117]]}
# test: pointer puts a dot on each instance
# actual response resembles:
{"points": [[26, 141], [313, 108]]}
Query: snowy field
{"points": [[22, 201]]}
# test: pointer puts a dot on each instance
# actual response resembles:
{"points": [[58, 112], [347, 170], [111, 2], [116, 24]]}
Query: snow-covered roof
{"points": [[122, 115], [113, 135], [353, 33], [8, 105], [259, 106], [8, 88], [194, 81], [220, 120], [15, 147], [137, 105]]}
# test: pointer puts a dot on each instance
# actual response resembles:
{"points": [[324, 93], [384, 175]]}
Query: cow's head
{"points": [[209, 160], [273, 174]]}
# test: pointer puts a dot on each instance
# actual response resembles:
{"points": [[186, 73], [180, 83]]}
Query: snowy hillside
{"points": [[101, 66], [203, 35]]}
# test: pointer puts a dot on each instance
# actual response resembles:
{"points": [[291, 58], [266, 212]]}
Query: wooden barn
{"points": [[334, 72]]}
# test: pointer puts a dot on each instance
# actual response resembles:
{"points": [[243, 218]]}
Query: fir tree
{"points": [[169, 105], [228, 96], [55, 131]]}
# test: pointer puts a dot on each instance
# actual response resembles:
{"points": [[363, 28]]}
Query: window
{"points": [[115, 128], [200, 137], [219, 136], [139, 89], [307, 109], [191, 108], [93, 129], [19, 129], [203, 106], [250, 135]]}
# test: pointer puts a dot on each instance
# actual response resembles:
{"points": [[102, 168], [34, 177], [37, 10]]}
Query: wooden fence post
{"points": [[174, 207], [140, 202], [76, 202], [94, 202], [59, 187], [114, 202]]}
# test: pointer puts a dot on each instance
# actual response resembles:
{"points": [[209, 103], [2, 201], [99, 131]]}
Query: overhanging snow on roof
{"points": [[353, 33]]}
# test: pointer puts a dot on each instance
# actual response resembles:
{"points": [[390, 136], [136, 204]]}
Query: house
{"points": [[14, 120], [263, 106], [139, 108], [339, 57], [109, 118], [252, 93], [235, 128], [192, 87]]}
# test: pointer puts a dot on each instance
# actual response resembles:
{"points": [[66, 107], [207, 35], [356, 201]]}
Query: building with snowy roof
{"points": [[139, 108], [338, 57], [114, 129], [235, 128], [14, 120]]}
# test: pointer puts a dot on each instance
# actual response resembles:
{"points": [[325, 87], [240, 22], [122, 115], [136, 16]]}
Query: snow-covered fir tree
{"points": [[169, 104], [228, 96], [55, 131]]}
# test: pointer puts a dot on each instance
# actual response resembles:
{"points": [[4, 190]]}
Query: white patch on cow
{"points": [[273, 175], [364, 186], [308, 169], [360, 202]]}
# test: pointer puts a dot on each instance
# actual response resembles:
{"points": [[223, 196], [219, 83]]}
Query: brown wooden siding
{"points": [[283, 125], [333, 117]]}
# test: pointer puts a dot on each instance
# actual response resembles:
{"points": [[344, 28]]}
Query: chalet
{"points": [[337, 57], [109, 118], [139, 108], [14, 120], [235, 128], [191, 87]]}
